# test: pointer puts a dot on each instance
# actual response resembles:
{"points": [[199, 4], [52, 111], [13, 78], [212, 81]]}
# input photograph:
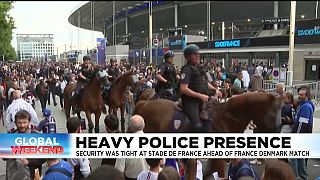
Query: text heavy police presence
{"points": [[183, 142]]}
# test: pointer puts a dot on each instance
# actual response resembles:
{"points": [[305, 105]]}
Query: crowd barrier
{"points": [[270, 87]]}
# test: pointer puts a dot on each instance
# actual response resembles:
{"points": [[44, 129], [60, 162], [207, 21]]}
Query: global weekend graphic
{"points": [[35, 145], [165, 145]]}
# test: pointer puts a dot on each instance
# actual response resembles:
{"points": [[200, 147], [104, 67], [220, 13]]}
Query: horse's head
{"points": [[101, 75], [269, 121]]}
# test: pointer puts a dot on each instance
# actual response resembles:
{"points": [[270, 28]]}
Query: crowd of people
{"points": [[22, 84], [121, 168]]}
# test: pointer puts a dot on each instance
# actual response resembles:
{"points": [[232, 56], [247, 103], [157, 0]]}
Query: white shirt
{"points": [[15, 106], [199, 170], [259, 70], [63, 85], [148, 175], [246, 79], [149, 83], [132, 167], [84, 165], [9, 92]]}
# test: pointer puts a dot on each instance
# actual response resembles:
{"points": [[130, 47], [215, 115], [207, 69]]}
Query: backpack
{"points": [[247, 166], [51, 126]]}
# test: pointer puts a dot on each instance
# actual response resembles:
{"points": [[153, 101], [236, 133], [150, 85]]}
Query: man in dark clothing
{"points": [[52, 83], [112, 126], [113, 70], [42, 90], [194, 87], [81, 166], [84, 77], [167, 78]]}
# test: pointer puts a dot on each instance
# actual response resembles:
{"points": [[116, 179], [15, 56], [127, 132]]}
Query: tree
{"points": [[6, 27]]}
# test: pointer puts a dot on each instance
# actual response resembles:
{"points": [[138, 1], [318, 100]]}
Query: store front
{"points": [[271, 51]]}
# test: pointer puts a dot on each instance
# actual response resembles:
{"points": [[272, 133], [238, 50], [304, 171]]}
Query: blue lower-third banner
{"points": [[213, 145]]}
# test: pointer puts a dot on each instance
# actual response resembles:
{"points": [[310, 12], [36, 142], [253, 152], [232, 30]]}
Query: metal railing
{"points": [[269, 86], [314, 90], [314, 87]]}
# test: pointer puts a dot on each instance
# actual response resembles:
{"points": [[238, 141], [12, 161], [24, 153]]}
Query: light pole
{"points": [[317, 4], [222, 29], [150, 31], [291, 43], [212, 31], [232, 30], [162, 37], [113, 22]]}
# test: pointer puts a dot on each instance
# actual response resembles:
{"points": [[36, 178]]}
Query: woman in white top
{"points": [[152, 173]]}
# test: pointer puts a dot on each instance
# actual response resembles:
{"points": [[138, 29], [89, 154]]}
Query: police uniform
{"points": [[168, 72], [197, 81], [114, 72], [86, 72]]}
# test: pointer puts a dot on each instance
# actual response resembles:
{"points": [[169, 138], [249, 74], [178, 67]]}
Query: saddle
{"points": [[181, 123], [204, 114]]}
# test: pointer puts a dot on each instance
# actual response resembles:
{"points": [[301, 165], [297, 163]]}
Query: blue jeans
{"points": [[127, 107], [300, 168]]}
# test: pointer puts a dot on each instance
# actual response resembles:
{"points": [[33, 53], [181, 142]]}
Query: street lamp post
{"points": [[317, 4], [150, 30], [291, 43], [222, 29], [231, 30]]}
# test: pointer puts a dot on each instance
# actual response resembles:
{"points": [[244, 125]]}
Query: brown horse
{"points": [[232, 116], [115, 98], [91, 100]]}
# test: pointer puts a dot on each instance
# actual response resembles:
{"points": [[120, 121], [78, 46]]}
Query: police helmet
{"points": [[112, 60], [168, 54], [86, 58], [191, 49], [46, 112]]}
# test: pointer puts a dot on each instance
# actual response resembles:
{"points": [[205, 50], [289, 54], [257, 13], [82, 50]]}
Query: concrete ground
{"points": [[313, 164]]}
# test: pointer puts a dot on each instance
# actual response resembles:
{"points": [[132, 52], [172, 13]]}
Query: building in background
{"points": [[35, 47], [75, 56]]}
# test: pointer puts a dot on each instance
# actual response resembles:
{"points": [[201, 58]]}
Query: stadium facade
{"points": [[254, 31]]}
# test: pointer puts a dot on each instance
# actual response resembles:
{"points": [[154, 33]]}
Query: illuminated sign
{"points": [[309, 32], [227, 43], [175, 43], [275, 20]]}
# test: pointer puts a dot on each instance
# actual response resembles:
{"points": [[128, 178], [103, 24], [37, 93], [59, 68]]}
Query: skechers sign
{"points": [[309, 32], [227, 43]]}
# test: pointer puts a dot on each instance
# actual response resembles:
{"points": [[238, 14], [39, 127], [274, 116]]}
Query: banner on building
{"points": [[101, 51]]}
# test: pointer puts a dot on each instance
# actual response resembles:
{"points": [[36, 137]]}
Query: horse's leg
{"points": [[122, 118], [216, 165], [90, 123], [191, 169], [67, 107], [96, 123], [109, 110]]}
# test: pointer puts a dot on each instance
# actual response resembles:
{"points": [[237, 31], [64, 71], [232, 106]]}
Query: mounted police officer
{"points": [[194, 87], [166, 77], [113, 70], [84, 75]]}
